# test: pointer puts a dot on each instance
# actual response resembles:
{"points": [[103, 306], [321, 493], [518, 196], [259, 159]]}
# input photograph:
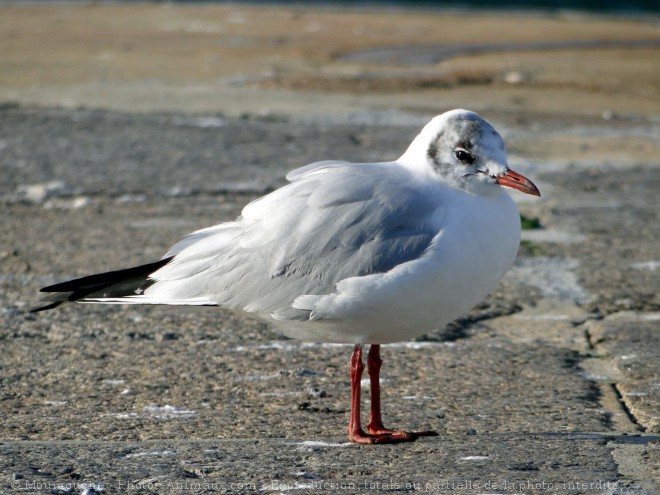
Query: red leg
{"points": [[375, 425], [356, 368], [377, 432]]}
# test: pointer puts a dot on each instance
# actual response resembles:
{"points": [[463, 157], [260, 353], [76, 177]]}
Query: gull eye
{"points": [[464, 156]]}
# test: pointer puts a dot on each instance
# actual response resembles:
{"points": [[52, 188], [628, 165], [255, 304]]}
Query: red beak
{"points": [[516, 181]]}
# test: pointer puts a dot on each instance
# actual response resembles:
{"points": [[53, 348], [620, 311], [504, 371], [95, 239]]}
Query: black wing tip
{"points": [[68, 286], [39, 309], [51, 288], [79, 288]]}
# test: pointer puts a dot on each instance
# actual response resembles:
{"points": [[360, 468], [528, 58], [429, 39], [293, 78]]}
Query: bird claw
{"points": [[381, 438], [385, 436]]}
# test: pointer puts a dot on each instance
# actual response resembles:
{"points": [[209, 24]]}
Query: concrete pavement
{"points": [[549, 386]]}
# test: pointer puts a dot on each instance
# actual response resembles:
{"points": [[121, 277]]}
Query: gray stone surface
{"points": [[535, 391], [494, 463], [630, 342]]}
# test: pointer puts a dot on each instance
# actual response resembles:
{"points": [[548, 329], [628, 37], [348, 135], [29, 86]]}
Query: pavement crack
{"points": [[624, 406], [612, 398], [589, 338]]}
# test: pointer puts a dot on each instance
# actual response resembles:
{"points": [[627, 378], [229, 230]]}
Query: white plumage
{"points": [[366, 253]]}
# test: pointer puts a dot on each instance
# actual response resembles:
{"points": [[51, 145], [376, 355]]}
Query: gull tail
{"points": [[112, 286]]}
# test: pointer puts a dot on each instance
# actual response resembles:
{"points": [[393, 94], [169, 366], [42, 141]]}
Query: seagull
{"points": [[356, 253]]}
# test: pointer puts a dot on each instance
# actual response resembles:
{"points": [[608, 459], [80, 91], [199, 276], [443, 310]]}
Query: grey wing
{"points": [[331, 223]]}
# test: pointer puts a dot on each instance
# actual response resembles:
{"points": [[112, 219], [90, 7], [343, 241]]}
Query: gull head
{"points": [[464, 151]]}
